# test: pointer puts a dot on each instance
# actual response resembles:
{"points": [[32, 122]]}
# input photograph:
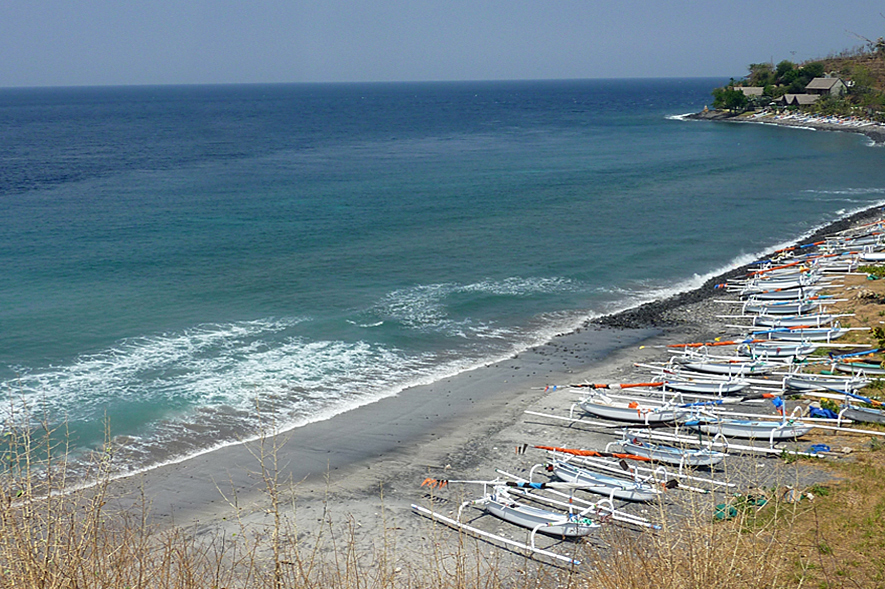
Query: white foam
{"points": [[417, 377], [366, 325], [238, 365], [778, 122], [424, 307], [229, 365], [850, 191]]}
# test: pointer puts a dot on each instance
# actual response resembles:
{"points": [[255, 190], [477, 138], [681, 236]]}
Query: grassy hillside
{"points": [[862, 68], [866, 62]]}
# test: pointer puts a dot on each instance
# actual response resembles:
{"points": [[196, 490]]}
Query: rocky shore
{"points": [[874, 131], [661, 313]]}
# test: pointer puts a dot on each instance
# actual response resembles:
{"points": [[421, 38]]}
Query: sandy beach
{"points": [[463, 426], [359, 472]]}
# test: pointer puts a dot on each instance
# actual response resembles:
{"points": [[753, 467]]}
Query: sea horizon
{"points": [[364, 82]]}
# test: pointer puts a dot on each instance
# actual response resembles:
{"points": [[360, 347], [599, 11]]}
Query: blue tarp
{"points": [[825, 413]]}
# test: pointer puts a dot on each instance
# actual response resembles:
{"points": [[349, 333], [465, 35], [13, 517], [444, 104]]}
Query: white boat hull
{"points": [[783, 294], [603, 484], [706, 387], [758, 430], [813, 382], [775, 308], [813, 319], [735, 368], [776, 350], [527, 516], [623, 412], [864, 414], [672, 455], [808, 335], [860, 367]]}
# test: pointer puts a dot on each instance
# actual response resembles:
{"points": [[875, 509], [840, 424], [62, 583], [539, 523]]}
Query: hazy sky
{"points": [[101, 42]]}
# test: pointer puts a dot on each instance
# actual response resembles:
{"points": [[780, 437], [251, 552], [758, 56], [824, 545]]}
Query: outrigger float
{"points": [[605, 485], [501, 499], [657, 476], [680, 457], [605, 407]]}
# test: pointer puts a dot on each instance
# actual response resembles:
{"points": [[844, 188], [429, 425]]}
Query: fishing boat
{"points": [[797, 267], [476, 532], [751, 429], [856, 242], [855, 412], [501, 504], [810, 334], [863, 414], [602, 484], [785, 277], [671, 454], [607, 408], [706, 387], [776, 349], [860, 368], [777, 321], [780, 307], [818, 382], [781, 294], [729, 366], [796, 280], [841, 266], [873, 256]]}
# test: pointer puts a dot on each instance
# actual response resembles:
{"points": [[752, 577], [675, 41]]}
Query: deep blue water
{"points": [[173, 255]]}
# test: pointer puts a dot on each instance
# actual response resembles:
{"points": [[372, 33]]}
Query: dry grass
{"points": [[840, 540], [54, 538], [848, 65], [834, 537], [74, 541]]}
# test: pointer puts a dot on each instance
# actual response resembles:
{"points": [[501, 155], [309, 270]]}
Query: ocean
{"points": [[181, 264]]}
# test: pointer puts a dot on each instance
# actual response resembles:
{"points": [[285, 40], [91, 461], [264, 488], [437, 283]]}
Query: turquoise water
{"points": [[173, 256]]}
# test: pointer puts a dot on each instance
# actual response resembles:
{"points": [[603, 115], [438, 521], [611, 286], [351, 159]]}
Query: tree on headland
{"points": [[796, 78], [761, 74], [729, 99], [782, 68], [811, 71]]}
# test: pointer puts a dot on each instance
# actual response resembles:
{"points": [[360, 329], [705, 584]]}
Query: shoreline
{"points": [[463, 426], [647, 315], [652, 312], [875, 132]]}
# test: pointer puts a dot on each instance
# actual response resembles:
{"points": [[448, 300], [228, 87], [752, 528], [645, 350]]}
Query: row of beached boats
{"points": [[782, 321]]}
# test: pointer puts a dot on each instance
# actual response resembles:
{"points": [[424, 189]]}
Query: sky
{"points": [[112, 42]]}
